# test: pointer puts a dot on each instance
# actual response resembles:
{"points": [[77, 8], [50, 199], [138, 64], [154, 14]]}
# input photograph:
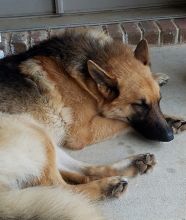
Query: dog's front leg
{"points": [[77, 172], [128, 167], [178, 124], [104, 128], [95, 130], [99, 182], [109, 181]]}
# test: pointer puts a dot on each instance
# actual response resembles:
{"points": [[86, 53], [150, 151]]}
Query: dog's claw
{"points": [[117, 187]]}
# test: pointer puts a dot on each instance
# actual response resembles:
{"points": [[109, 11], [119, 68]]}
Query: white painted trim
{"points": [[59, 6]]}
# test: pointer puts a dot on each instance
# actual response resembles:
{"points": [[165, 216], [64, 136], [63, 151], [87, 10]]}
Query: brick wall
{"points": [[157, 32]]}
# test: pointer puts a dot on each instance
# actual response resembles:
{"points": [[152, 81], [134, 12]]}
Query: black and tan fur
{"points": [[73, 91]]}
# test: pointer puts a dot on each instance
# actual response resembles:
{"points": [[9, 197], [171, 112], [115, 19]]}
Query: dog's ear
{"points": [[142, 52], [106, 84]]}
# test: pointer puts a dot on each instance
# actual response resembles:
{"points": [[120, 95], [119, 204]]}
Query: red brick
{"points": [[169, 32], [5, 43], [150, 31], [38, 36], [59, 31], [19, 42], [133, 33], [116, 32], [181, 24]]}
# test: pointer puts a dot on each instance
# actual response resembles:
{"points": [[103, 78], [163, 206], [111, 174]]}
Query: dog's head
{"points": [[128, 91]]}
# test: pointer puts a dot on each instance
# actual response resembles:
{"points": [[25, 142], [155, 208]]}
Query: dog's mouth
{"points": [[154, 126], [155, 132]]}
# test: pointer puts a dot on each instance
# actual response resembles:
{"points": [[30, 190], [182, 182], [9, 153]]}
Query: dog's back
{"points": [[104, 80], [29, 182]]}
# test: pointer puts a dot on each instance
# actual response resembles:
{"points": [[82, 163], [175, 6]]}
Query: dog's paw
{"points": [[143, 162], [178, 125], [161, 78], [114, 187]]}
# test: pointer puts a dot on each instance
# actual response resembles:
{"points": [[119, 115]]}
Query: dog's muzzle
{"points": [[154, 131], [153, 126]]}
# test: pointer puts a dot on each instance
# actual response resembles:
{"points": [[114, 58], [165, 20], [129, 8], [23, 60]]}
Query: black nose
{"points": [[166, 135], [153, 125], [155, 131]]}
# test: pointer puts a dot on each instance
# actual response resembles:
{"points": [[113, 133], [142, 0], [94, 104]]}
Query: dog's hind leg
{"points": [[99, 182], [74, 178], [31, 186], [103, 188]]}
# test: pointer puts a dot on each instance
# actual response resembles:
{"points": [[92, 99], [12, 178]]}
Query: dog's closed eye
{"points": [[140, 106]]}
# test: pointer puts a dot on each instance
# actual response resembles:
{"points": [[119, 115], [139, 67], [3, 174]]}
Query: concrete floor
{"points": [[160, 195]]}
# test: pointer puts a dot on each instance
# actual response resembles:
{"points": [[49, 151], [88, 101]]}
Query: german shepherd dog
{"points": [[72, 91]]}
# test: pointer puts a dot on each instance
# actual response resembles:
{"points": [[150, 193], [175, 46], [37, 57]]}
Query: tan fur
{"points": [[92, 105], [83, 117], [87, 117], [74, 110], [26, 132], [28, 158], [46, 203], [50, 110], [74, 178]]}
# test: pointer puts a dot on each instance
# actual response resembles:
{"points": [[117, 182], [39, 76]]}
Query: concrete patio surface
{"points": [[161, 194]]}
